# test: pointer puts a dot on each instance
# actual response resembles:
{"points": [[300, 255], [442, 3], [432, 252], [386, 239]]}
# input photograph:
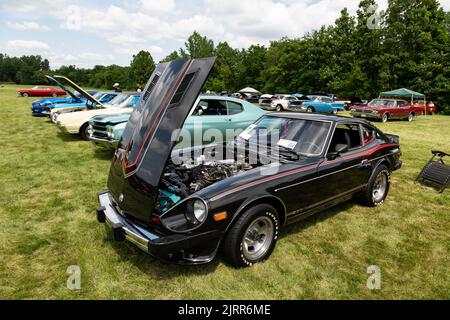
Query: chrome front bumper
{"points": [[119, 228], [106, 143]]}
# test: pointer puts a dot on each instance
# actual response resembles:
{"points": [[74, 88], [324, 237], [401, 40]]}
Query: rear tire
{"points": [[410, 117], [377, 188], [54, 95], [279, 108], [84, 133], [335, 111], [385, 118], [253, 236]]}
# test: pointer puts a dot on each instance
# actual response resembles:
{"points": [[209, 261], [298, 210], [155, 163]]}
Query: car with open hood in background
{"points": [[211, 113], [183, 205], [78, 122], [43, 105], [99, 99], [385, 109], [41, 91]]}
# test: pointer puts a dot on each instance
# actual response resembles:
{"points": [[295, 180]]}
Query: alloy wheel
{"points": [[379, 187], [258, 238]]}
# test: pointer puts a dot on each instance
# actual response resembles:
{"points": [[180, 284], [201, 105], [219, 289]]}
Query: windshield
{"points": [[382, 103], [305, 137], [117, 101], [98, 95]]}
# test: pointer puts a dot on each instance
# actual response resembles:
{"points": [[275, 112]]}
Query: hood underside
{"points": [[79, 90], [148, 139], [59, 84]]}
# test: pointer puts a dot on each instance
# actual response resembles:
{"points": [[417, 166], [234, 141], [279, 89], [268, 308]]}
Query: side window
{"points": [[401, 103], [234, 108], [347, 134], [211, 108], [369, 135]]}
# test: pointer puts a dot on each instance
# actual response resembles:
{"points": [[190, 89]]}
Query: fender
{"points": [[261, 198]]}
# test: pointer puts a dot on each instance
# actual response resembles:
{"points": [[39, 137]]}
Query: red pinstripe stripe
{"points": [[369, 152]]}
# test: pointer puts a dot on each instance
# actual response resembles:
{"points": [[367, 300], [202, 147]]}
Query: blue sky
{"points": [[86, 33]]}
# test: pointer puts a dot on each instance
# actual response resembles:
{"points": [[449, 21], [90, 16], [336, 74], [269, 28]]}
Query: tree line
{"points": [[408, 45]]}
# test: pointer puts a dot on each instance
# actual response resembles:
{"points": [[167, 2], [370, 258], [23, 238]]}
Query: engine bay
{"points": [[180, 181]]}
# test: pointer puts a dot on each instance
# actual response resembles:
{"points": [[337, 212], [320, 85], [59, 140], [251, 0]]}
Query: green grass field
{"points": [[49, 183]]}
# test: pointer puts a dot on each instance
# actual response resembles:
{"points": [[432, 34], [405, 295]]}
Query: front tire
{"points": [[335, 111], [376, 191], [310, 109], [54, 95], [84, 131], [253, 236], [25, 95]]}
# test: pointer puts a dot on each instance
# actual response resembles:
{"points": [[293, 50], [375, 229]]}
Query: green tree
{"points": [[141, 67], [197, 46]]}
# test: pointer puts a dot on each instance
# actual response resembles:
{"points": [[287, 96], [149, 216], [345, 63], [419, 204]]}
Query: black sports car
{"points": [[184, 205]]}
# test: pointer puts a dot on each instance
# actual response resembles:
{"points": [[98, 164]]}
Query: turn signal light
{"points": [[220, 216]]}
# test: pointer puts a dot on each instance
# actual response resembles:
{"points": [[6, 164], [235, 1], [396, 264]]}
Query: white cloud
{"points": [[158, 5], [28, 46], [27, 25]]}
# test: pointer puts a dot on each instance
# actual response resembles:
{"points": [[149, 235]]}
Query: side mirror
{"points": [[338, 150]]}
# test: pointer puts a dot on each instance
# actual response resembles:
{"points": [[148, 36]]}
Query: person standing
{"points": [[116, 87], [138, 88]]}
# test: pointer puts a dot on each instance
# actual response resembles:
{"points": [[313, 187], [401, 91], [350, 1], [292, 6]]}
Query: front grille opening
{"points": [[150, 87], [182, 88]]}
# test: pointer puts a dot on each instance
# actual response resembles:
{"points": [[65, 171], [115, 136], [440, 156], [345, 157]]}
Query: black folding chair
{"points": [[436, 171]]}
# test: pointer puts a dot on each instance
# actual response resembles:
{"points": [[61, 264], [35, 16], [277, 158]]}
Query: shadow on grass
{"points": [[161, 270], [158, 269], [67, 137], [315, 218], [102, 153]]}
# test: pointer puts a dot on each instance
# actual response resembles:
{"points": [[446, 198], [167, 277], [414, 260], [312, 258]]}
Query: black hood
{"points": [[147, 142]]}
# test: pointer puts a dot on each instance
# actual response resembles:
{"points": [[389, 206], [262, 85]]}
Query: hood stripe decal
{"points": [[164, 103], [281, 175]]}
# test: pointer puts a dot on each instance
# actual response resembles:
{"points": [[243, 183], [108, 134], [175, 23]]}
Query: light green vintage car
{"points": [[213, 119]]}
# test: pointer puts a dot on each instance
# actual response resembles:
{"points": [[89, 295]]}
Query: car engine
{"points": [[180, 181]]}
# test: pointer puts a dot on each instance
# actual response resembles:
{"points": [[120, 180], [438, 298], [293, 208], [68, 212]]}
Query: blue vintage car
{"points": [[319, 104], [99, 99], [38, 106]]}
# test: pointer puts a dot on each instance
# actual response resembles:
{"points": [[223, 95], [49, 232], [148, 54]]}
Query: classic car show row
{"points": [[194, 174]]}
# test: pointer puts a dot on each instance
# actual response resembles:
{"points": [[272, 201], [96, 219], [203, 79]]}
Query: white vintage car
{"points": [[78, 122]]}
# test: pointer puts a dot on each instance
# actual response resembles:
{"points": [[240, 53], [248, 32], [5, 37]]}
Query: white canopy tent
{"points": [[250, 91]]}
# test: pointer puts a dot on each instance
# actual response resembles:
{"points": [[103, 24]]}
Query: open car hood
{"points": [[147, 142], [59, 84], [79, 89]]}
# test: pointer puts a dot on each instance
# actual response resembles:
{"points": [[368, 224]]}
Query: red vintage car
{"points": [[425, 107], [41, 92], [385, 109]]}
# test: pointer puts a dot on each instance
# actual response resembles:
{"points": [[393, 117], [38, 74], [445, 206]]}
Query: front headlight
{"points": [[109, 132], [196, 212]]}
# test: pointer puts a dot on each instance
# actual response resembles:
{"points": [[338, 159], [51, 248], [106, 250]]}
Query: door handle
{"points": [[229, 120], [365, 162]]}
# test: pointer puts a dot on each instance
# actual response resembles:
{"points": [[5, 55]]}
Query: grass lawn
{"points": [[49, 183]]}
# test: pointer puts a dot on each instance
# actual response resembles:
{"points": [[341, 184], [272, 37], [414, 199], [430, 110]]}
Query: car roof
{"points": [[317, 117], [208, 97]]}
